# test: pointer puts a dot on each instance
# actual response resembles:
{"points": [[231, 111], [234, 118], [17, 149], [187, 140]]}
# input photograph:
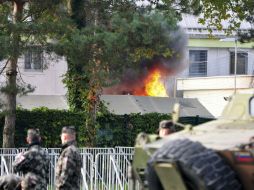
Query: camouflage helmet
{"points": [[166, 124], [69, 130]]}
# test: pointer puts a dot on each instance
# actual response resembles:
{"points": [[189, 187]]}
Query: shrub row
{"points": [[112, 130]]}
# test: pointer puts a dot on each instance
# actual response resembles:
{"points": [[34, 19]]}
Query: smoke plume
{"points": [[133, 81]]}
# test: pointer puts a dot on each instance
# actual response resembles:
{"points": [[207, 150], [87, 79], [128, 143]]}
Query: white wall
{"points": [[213, 100], [210, 91], [48, 81]]}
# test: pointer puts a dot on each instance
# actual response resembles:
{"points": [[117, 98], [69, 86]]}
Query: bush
{"points": [[121, 130], [48, 121], [112, 130]]}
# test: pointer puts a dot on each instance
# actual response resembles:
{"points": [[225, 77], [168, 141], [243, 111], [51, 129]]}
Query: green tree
{"points": [[24, 24], [233, 11], [184, 6], [213, 13], [112, 37]]}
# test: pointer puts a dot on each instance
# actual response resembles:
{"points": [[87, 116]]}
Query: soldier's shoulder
{"points": [[70, 150], [43, 151], [35, 149], [73, 148], [36, 153], [39, 150], [9, 180], [29, 153]]}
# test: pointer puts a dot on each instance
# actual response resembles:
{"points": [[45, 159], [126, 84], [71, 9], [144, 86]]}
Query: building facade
{"points": [[45, 74], [215, 56], [210, 73]]}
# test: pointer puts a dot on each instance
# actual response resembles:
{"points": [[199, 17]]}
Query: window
{"points": [[34, 59], [198, 63], [241, 65]]}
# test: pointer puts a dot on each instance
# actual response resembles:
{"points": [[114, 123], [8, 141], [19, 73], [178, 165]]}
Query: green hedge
{"points": [[48, 121], [112, 130]]}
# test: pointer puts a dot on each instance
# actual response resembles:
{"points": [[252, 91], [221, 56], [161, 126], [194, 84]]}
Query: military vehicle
{"points": [[217, 155]]}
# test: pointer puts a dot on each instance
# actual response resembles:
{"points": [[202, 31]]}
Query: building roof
{"points": [[49, 101], [193, 27], [126, 104]]}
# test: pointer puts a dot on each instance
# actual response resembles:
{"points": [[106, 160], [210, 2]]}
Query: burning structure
{"points": [[152, 76]]}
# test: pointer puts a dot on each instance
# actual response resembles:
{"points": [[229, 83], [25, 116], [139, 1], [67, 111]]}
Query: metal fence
{"points": [[103, 168]]}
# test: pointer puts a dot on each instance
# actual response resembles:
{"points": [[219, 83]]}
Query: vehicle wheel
{"points": [[201, 168]]}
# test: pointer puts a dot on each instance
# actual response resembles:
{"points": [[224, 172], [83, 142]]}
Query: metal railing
{"points": [[102, 168]]}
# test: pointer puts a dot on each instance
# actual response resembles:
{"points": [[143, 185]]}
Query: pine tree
{"points": [[112, 37], [24, 24]]}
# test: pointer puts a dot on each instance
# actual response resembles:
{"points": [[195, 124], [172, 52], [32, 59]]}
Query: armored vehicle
{"points": [[217, 155]]}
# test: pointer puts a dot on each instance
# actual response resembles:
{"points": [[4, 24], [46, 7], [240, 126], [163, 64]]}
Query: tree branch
{"points": [[17, 1], [26, 17], [22, 80], [20, 1], [2, 1], [4, 66]]}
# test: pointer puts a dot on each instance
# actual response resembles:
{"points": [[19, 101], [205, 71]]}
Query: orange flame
{"points": [[154, 85]]}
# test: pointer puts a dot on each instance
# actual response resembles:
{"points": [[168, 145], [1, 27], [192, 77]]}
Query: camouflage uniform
{"points": [[68, 169], [30, 182], [34, 164], [10, 182]]}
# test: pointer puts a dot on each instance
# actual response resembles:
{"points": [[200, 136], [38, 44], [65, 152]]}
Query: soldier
{"points": [[68, 169], [33, 164], [166, 127]]}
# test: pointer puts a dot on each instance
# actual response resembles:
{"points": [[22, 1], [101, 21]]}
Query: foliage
{"points": [[214, 12], [184, 6], [112, 130], [25, 24], [113, 37], [101, 39], [41, 21], [48, 121], [122, 130], [104, 52], [234, 11]]}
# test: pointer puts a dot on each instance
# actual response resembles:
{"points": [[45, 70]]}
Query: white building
{"points": [[46, 75], [213, 56], [210, 73]]}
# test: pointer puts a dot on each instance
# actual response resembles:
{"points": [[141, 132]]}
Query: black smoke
{"points": [[133, 81]]}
